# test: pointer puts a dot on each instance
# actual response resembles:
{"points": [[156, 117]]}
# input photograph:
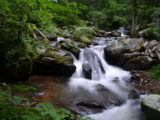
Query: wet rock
{"points": [[114, 34], [84, 40], [101, 33], [69, 46], [55, 62], [133, 95], [92, 61], [157, 52], [132, 53], [82, 45], [138, 63], [87, 70], [151, 106], [114, 52], [51, 37]]}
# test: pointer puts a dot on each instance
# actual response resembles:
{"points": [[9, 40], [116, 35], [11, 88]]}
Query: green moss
{"points": [[135, 59], [57, 57], [155, 72], [81, 45], [84, 40], [24, 88]]}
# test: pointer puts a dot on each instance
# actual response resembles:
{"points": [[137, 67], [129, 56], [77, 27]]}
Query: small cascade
{"points": [[103, 84]]}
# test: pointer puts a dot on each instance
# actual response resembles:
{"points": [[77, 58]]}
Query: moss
{"points": [[57, 57], [135, 59], [52, 48], [24, 88], [155, 72], [84, 40], [139, 46], [82, 45]]}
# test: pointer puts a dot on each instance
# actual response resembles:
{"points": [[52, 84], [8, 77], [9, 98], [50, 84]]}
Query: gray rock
{"points": [[138, 63], [151, 107], [114, 52], [55, 61]]}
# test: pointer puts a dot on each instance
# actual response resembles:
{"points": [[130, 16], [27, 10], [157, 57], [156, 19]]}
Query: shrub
{"points": [[155, 72]]}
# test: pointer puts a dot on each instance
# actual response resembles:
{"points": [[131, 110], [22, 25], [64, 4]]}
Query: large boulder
{"points": [[138, 63], [132, 53], [55, 61], [83, 39], [114, 53], [151, 106], [92, 66], [70, 46]]}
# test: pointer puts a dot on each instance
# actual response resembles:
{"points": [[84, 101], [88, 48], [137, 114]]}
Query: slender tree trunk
{"points": [[134, 17]]}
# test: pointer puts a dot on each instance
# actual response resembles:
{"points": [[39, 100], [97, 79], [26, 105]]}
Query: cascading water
{"points": [[92, 71]]}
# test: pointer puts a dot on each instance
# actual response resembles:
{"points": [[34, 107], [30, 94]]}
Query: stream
{"points": [[96, 89], [99, 84]]}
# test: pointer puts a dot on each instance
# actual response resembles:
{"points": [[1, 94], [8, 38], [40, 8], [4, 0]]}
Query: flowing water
{"points": [[92, 71]]}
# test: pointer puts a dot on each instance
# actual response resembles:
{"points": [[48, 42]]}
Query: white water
{"points": [[113, 78]]}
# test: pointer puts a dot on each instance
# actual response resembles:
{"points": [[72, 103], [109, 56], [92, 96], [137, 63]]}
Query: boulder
{"points": [[132, 53], [70, 46], [55, 61], [138, 63], [87, 70], [92, 66], [84, 40], [151, 106], [114, 34], [157, 52], [114, 52]]}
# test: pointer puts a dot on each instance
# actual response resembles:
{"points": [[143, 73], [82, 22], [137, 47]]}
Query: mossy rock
{"points": [[55, 61], [57, 57], [82, 45], [138, 63], [84, 40]]}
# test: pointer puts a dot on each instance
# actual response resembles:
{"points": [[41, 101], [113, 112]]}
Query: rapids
{"points": [[114, 79]]}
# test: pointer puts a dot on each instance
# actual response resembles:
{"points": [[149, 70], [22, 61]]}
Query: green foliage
{"points": [[24, 88], [83, 31], [155, 72], [7, 99], [11, 109], [112, 16]]}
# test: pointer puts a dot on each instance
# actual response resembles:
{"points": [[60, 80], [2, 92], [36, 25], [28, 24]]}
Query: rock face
{"points": [[55, 61], [70, 46], [151, 107], [91, 65], [132, 53]]}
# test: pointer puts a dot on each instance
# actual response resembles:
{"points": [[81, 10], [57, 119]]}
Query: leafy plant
{"points": [[155, 72]]}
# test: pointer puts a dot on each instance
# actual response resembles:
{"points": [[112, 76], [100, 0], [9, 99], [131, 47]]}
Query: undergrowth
{"points": [[15, 108], [155, 72]]}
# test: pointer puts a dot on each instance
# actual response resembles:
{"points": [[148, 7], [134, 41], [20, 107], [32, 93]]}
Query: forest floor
{"points": [[145, 83]]}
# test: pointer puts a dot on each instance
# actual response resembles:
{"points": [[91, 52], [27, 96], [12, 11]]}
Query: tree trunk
{"points": [[134, 17]]}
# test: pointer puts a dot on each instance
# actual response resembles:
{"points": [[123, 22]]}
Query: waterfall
{"points": [[92, 70]]}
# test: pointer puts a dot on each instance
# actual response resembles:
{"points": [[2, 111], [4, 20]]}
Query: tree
{"points": [[134, 17]]}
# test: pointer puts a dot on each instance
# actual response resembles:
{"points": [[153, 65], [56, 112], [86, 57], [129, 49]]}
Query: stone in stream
{"points": [[55, 61], [70, 46], [84, 102], [151, 106], [132, 53], [87, 70], [92, 66]]}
